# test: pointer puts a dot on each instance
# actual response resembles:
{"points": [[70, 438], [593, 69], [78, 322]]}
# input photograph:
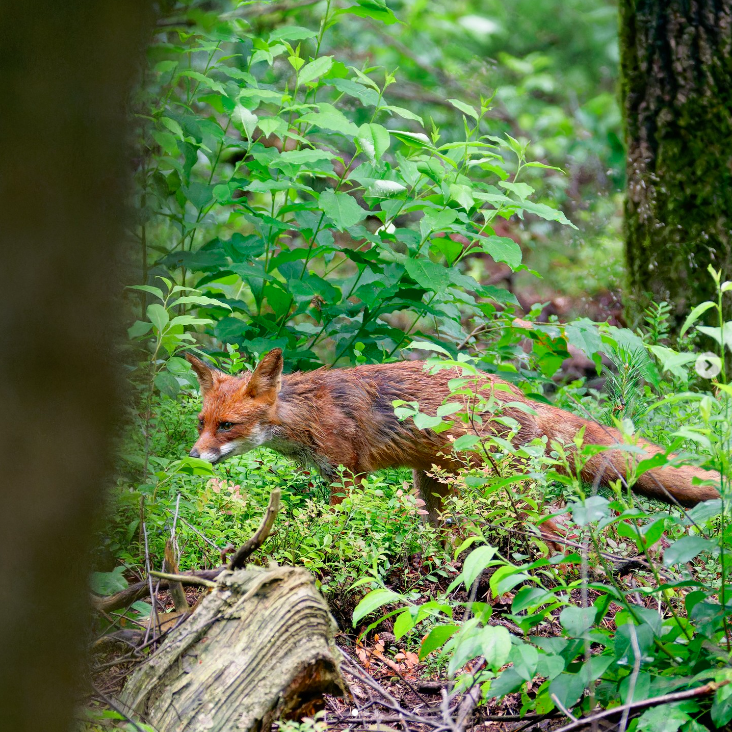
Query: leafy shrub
{"points": [[312, 211]]}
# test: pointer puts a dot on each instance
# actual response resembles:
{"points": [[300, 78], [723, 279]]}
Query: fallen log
{"points": [[260, 647]]}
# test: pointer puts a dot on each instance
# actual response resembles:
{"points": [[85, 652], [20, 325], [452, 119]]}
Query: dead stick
{"points": [[176, 588], [656, 701], [182, 579], [260, 535]]}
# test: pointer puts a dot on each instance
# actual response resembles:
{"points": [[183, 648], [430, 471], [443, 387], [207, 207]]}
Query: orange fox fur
{"points": [[327, 418]]}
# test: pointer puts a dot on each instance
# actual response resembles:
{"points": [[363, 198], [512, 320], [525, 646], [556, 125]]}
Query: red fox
{"points": [[327, 418]]}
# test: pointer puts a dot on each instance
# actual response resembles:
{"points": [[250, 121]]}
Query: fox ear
{"points": [[266, 379], [204, 373]]}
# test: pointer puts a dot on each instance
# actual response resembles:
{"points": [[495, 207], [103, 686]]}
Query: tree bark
{"points": [[676, 91], [67, 69], [258, 648]]}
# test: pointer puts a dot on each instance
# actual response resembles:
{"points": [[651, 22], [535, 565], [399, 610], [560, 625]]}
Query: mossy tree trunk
{"points": [[676, 77]]}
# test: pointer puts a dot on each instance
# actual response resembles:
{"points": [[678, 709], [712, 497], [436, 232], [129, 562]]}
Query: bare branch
{"points": [[656, 701], [260, 535], [183, 579]]}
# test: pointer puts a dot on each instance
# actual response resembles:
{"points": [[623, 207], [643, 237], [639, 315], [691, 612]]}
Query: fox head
{"points": [[239, 412]]}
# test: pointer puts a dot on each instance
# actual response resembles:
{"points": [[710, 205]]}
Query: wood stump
{"points": [[258, 648]]}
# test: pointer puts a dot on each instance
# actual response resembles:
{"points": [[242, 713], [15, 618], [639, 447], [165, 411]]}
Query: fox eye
{"points": [[225, 425]]}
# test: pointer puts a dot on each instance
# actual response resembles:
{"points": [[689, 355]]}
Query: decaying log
{"points": [[259, 647]]}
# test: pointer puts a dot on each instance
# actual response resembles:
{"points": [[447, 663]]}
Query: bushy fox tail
{"points": [[665, 483]]}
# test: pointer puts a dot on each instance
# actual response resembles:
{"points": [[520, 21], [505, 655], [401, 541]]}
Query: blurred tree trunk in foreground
{"points": [[676, 88], [67, 69]]}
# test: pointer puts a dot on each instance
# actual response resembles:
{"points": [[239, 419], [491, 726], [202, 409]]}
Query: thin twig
{"points": [[656, 701], [184, 579], [260, 535], [564, 709], [152, 591], [196, 531], [633, 676], [115, 706]]}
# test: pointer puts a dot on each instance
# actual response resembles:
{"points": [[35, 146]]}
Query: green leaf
{"points": [[341, 208], [687, 548], [723, 335], [427, 346], [167, 384], [403, 624], [205, 80], [194, 466], [385, 188], [139, 329], [465, 442], [568, 688], [302, 157], [329, 118], [373, 601], [549, 665], [522, 190], [158, 316], [465, 108], [291, 33], [663, 718], [463, 195], [475, 563], [167, 141], [429, 275], [413, 139], [583, 334], [436, 638], [149, 288], [495, 643], [426, 422], [502, 249], [189, 320], [314, 69], [577, 620], [178, 366], [545, 212], [245, 120], [107, 583], [367, 96], [694, 315], [508, 682], [201, 300], [406, 113], [722, 706], [142, 608], [591, 509], [525, 660], [505, 578], [702, 512], [374, 9]]}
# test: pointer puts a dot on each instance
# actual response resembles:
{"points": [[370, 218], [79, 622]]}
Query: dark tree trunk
{"points": [[66, 70], [676, 87]]}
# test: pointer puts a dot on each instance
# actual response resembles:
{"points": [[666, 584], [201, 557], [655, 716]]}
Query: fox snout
{"points": [[210, 455]]}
